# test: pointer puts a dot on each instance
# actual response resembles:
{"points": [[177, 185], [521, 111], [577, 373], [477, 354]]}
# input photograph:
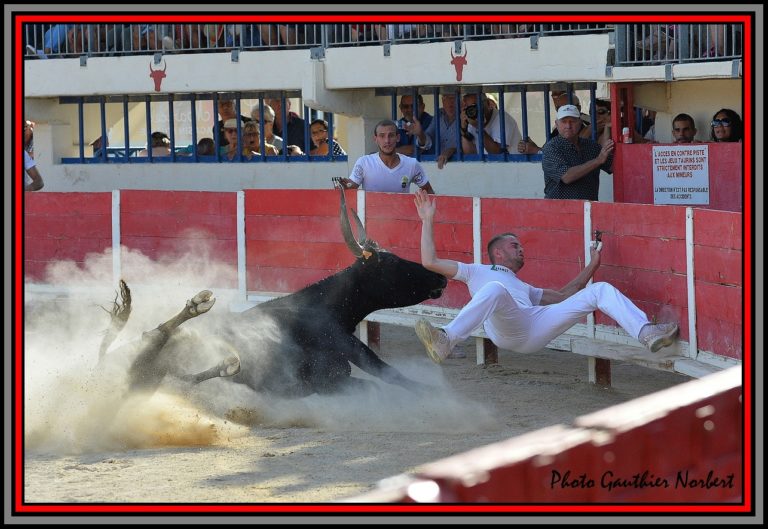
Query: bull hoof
{"points": [[229, 366], [201, 303]]}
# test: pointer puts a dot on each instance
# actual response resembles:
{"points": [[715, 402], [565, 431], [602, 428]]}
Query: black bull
{"points": [[299, 344]]}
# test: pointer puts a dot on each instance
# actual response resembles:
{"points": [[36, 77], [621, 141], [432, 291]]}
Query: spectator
{"points": [[516, 315], [230, 130], [448, 125], [726, 126], [269, 121], [387, 170], [33, 180], [160, 144], [293, 133], [206, 147], [559, 98], [684, 129], [571, 163], [318, 130], [491, 135], [410, 125], [29, 130], [226, 108], [252, 141]]}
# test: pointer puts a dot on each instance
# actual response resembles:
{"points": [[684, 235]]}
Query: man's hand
{"points": [[414, 127], [425, 205], [606, 151]]}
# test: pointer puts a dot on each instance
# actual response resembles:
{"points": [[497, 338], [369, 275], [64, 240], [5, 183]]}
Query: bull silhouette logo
{"points": [[459, 62], [157, 75]]}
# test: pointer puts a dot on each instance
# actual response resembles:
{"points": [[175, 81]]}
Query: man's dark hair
{"points": [[384, 123], [496, 239], [684, 117]]}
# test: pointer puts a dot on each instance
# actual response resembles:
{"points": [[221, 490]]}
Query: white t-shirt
{"points": [[371, 174], [477, 276], [493, 128]]}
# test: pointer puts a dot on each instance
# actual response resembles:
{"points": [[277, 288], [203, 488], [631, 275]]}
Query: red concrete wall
{"points": [[718, 258], [293, 238], [166, 226], [633, 175], [644, 257], [64, 227]]}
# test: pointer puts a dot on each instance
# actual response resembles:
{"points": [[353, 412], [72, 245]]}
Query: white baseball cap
{"points": [[568, 111]]}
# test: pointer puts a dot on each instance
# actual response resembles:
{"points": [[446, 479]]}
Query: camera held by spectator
{"points": [[471, 112]]}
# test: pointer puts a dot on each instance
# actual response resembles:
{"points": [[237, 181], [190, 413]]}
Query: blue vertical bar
{"points": [[284, 121], [436, 120], [193, 116], [593, 112], [524, 116], [171, 128], [547, 116], [126, 132], [503, 127], [262, 139], [104, 142], [331, 141], [80, 131], [480, 123], [239, 155], [459, 150], [307, 139], [148, 119], [216, 127], [415, 110]]}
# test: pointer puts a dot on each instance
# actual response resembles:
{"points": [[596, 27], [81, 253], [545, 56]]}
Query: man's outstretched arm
{"points": [[576, 284], [425, 207]]}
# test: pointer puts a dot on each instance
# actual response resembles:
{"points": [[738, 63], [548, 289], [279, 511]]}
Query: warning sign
{"points": [[681, 174]]}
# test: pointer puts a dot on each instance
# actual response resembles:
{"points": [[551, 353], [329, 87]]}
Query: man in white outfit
{"points": [[386, 170], [516, 315]]}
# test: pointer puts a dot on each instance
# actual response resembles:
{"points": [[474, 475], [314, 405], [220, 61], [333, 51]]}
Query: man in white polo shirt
{"points": [[387, 170]]}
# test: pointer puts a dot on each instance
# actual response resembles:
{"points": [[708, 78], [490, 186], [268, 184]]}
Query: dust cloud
{"points": [[75, 404]]}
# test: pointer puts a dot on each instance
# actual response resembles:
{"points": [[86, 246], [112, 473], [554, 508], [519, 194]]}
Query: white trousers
{"points": [[529, 329]]}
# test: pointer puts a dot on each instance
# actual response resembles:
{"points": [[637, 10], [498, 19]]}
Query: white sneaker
{"points": [[656, 336], [435, 341]]}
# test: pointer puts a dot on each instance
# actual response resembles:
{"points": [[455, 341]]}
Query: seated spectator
{"points": [[684, 129], [232, 148], [33, 180], [269, 122], [160, 144], [293, 133], [489, 141], [252, 142], [318, 131], [726, 126], [226, 108], [206, 147], [410, 125]]}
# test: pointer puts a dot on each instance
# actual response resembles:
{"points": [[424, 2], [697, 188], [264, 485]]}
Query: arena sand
{"points": [[223, 443]]}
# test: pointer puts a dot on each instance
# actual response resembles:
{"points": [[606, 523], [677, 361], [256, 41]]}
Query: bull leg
{"points": [[228, 367], [147, 372], [118, 317]]}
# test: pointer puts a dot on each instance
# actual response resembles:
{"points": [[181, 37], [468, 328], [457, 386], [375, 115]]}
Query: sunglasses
{"points": [[602, 112], [725, 122]]}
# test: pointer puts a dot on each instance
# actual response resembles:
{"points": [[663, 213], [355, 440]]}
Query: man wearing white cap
{"points": [[571, 163]]}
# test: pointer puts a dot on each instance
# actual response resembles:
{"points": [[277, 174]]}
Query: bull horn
{"points": [[346, 229]]}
